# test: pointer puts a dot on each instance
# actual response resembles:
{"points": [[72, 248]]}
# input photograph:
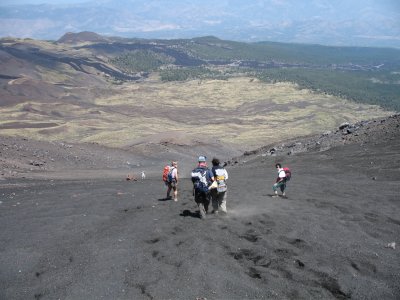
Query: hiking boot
{"points": [[202, 214], [202, 211]]}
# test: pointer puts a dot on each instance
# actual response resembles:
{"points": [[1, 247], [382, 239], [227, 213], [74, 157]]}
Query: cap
{"points": [[202, 158]]}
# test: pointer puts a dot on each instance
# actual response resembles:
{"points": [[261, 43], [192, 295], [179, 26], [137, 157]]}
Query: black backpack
{"points": [[199, 179]]}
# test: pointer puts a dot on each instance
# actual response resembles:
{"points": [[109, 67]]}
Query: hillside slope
{"points": [[334, 237]]}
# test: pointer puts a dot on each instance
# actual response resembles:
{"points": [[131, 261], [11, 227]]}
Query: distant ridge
{"points": [[364, 75], [81, 37]]}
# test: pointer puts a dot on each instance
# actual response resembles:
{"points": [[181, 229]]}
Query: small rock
{"points": [[131, 177], [350, 130], [391, 245], [344, 125]]}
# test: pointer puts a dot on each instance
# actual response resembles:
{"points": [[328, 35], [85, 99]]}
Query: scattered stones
{"points": [[361, 132], [326, 133], [36, 163]]}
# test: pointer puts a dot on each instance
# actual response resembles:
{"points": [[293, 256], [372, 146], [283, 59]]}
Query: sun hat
{"points": [[202, 158]]}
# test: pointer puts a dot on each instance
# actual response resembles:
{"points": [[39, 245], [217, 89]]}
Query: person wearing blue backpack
{"points": [[201, 178]]}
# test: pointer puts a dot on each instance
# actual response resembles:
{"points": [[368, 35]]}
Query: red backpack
{"points": [[288, 173], [166, 170]]}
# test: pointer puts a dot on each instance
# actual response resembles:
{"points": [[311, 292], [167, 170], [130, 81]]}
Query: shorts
{"points": [[172, 184]]}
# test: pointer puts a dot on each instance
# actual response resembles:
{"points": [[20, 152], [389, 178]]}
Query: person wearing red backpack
{"points": [[280, 182], [172, 181]]}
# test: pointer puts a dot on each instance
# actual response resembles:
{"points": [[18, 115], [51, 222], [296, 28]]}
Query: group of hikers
{"points": [[209, 185]]}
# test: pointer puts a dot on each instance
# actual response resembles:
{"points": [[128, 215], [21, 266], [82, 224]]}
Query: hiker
{"points": [[172, 181], [201, 178], [143, 175], [280, 182], [219, 188]]}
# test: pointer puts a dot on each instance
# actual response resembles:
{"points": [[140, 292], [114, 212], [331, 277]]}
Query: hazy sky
{"points": [[339, 22], [296, 8], [41, 1], [389, 3]]}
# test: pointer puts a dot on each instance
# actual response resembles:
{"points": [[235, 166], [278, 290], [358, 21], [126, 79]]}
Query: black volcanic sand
{"points": [[118, 239]]}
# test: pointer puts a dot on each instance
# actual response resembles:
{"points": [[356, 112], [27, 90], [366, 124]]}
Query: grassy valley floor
{"points": [[243, 113]]}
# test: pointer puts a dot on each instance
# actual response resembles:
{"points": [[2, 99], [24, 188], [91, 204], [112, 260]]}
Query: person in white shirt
{"points": [[219, 193], [280, 182], [173, 182]]}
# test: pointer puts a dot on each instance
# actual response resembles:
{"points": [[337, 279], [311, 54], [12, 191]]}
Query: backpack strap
{"points": [[170, 172]]}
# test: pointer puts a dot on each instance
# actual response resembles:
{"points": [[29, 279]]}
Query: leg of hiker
{"points": [[275, 189], [283, 187], [169, 191], [200, 199], [214, 200], [222, 201], [207, 202], [277, 186], [175, 193], [172, 186], [202, 210]]}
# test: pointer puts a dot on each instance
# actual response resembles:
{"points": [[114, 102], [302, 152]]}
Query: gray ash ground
{"points": [[336, 235]]}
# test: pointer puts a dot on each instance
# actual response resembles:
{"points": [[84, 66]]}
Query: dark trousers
{"points": [[202, 199]]}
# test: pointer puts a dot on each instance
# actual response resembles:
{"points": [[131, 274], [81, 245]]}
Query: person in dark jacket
{"points": [[201, 178]]}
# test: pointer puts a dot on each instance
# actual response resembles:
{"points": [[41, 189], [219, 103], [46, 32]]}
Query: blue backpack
{"points": [[169, 176]]}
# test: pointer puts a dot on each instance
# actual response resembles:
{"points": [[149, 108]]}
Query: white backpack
{"points": [[221, 180]]}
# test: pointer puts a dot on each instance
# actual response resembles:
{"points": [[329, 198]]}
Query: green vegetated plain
{"points": [[365, 75], [247, 95]]}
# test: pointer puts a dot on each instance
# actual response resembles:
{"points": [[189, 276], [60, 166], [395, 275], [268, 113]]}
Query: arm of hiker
{"points": [[211, 175]]}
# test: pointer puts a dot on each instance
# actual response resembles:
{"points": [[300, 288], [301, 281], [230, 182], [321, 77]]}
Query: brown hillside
{"points": [[81, 37]]}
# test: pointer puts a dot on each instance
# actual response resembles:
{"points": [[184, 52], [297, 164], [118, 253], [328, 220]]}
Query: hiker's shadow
{"points": [[164, 199], [188, 213]]}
